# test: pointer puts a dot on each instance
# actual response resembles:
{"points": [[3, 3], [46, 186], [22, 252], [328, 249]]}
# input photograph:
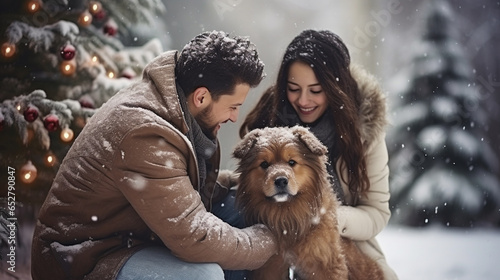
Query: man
{"points": [[132, 198]]}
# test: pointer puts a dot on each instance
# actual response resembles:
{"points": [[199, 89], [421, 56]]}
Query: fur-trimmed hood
{"points": [[373, 110]]}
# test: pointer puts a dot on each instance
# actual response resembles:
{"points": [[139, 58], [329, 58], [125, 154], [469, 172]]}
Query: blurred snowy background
{"points": [[387, 37]]}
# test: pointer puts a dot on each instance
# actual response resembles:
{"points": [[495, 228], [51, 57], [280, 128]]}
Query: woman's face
{"points": [[305, 93]]}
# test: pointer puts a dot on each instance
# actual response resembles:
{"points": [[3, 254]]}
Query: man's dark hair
{"points": [[218, 62]]}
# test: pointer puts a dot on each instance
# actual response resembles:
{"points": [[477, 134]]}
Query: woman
{"points": [[345, 108]]}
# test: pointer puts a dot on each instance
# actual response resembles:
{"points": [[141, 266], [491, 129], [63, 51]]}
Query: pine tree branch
{"points": [[41, 38]]}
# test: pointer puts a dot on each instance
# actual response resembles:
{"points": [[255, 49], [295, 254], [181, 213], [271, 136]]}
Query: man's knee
{"points": [[159, 263], [210, 271]]}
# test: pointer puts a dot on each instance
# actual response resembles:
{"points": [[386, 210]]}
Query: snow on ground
{"points": [[436, 253], [432, 253]]}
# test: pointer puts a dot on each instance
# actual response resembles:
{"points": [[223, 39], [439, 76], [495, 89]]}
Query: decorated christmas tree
{"points": [[443, 170], [60, 61]]}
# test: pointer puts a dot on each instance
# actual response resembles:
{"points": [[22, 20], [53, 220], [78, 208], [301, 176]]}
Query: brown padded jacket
{"points": [[130, 180]]}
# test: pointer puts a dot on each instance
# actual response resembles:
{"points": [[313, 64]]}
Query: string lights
{"points": [[45, 128]]}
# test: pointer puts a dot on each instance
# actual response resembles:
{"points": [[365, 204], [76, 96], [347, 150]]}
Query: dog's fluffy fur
{"points": [[284, 184]]}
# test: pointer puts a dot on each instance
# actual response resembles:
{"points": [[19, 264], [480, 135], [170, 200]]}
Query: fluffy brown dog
{"points": [[284, 184]]}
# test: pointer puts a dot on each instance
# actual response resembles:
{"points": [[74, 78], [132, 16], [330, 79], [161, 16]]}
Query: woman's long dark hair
{"points": [[329, 58]]}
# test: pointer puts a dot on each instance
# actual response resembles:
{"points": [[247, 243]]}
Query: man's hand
{"points": [[228, 179]]}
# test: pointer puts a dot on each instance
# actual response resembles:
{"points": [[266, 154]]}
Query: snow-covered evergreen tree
{"points": [[442, 169], [61, 60]]}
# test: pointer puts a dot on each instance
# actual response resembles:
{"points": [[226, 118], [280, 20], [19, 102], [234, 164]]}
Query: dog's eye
{"points": [[292, 162], [264, 164]]}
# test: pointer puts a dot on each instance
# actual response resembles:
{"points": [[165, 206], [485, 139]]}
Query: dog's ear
{"points": [[308, 138], [246, 144]]}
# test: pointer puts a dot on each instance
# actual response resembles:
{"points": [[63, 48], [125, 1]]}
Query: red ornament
{"points": [[31, 114], [51, 122], [100, 15], [86, 102], [110, 28], [128, 73], [68, 52]]}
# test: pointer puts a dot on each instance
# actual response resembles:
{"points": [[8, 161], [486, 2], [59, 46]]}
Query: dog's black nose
{"points": [[281, 183]]}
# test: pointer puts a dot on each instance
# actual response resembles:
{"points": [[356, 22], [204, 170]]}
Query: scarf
{"points": [[204, 146], [324, 130]]}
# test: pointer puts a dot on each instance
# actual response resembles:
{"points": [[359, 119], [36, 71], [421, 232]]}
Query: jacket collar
{"points": [[161, 71]]}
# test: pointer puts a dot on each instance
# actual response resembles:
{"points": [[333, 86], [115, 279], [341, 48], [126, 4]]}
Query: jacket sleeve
{"points": [[153, 176], [365, 220]]}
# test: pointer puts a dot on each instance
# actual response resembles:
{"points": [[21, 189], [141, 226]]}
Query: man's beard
{"points": [[203, 119]]}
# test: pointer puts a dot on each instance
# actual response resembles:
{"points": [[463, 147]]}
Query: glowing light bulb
{"points": [[28, 172], [95, 7], [33, 6], [111, 75], [85, 19], [67, 134], [8, 49], [68, 67], [50, 159]]}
